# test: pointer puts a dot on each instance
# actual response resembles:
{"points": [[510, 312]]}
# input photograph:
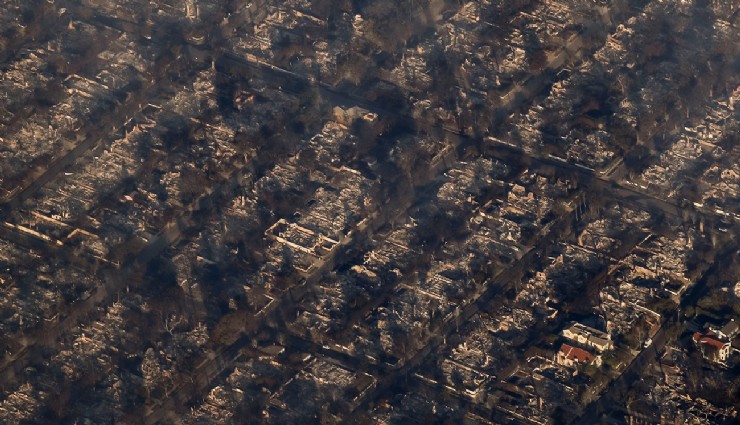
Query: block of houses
{"points": [[588, 336]]}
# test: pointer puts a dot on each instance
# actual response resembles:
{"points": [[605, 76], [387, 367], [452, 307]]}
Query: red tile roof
{"points": [[708, 339], [578, 354]]}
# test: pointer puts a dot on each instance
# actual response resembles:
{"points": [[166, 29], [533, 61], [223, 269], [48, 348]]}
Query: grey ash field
{"points": [[369, 212]]}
